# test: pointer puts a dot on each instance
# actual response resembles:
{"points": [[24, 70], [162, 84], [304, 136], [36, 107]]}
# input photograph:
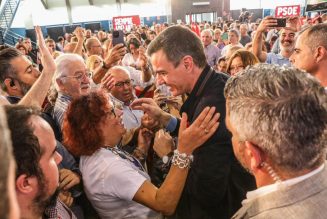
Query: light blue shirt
{"points": [[277, 59]]}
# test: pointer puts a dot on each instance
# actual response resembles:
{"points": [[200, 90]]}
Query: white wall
{"points": [[266, 4], [32, 12]]}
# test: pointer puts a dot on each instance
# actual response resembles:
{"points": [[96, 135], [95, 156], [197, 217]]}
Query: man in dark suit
{"points": [[216, 183]]}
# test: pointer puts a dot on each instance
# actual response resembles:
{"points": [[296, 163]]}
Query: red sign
{"points": [[125, 22], [288, 11]]}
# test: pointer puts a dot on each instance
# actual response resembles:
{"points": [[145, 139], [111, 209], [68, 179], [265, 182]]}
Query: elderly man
{"points": [[286, 41], [280, 140], [211, 52], [311, 52], [37, 176], [122, 93], [216, 183], [71, 80]]}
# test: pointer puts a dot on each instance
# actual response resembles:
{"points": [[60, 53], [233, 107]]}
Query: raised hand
{"points": [[45, 56], [190, 138], [107, 82], [163, 143], [114, 55]]}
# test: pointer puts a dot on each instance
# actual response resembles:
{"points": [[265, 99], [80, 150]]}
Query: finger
{"points": [[213, 121], [198, 121], [183, 124], [70, 184], [212, 130], [65, 181], [141, 101], [208, 117]]}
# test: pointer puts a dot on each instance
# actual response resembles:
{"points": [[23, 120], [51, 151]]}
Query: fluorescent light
{"points": [[200, 3]]}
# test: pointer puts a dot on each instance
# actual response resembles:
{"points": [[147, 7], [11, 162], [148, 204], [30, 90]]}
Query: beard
{"points": [[24, 87], [43, 200], [287, 48]]}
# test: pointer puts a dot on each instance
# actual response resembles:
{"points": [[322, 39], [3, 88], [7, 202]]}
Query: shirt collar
{"points": [[276, 186]]}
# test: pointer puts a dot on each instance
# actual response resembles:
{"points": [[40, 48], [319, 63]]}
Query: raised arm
{"points": [[114, 55], [79, 32], [165, 199], [257, 40], [38, 92]]}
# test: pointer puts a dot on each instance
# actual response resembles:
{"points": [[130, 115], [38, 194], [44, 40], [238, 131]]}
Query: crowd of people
{"points": [[205, 120]]}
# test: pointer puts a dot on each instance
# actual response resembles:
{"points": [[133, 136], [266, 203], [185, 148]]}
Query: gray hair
{"points": [[5, 158], [209, 31], [61, 63], [316, 36], [283, 111]]}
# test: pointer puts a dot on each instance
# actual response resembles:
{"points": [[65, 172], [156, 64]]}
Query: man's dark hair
{"points": [[6, 69], [26, 147], [177, 42]]}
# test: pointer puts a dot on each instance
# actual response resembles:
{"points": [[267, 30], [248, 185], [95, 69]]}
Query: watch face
{"points": [[165, 159]]}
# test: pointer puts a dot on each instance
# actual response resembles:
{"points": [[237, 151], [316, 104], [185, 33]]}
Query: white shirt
{"points": [[129, 60], [110, 183], [131, 118], [276, 186], [136, 77]]}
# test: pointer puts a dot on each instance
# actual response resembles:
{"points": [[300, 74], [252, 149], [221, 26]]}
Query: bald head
{"points": [[123, 89]]}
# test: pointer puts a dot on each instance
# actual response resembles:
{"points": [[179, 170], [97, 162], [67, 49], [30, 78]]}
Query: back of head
{"points": [[281, 110], [177, 42], [26, 147], [5, 159], [6, 69], [81, 126]]}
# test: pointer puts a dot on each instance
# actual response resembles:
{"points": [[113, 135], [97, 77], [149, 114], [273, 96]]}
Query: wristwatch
{"points": [[166, 158]]}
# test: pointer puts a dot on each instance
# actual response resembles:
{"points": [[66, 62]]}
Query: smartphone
{"points": [[281, 22], [117, 37]]}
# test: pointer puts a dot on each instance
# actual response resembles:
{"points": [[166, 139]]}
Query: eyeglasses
{"points": [[79, 76], [122, 83], [236, 68]]}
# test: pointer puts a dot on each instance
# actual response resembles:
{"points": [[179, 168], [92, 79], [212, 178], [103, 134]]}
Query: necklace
{"points": [[126, 156]]}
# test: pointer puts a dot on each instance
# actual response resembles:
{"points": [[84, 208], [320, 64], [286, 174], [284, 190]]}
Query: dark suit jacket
{"points": [[216, 183], [304, 200]]}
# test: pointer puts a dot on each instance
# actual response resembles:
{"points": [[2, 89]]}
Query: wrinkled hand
{"points": [[163, 143], [190, 138], [68, 179], [107, 82], [149, 106], [114, 55], [66, 197], [45, 56], [144, 140], [150, 123], [266, 23]]}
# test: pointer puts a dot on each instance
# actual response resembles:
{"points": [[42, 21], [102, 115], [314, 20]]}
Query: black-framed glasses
{"points": [[80, 76], [122, 83]]}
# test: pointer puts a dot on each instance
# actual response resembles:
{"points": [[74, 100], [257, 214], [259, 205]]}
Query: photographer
{"points": [[286, 41]]}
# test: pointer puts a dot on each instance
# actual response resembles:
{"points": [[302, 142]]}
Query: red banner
{"points": [[125, 22], [288, 11]]}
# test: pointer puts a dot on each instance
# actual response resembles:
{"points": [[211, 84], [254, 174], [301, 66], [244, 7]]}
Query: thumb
{"points": [[183, 124]]}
